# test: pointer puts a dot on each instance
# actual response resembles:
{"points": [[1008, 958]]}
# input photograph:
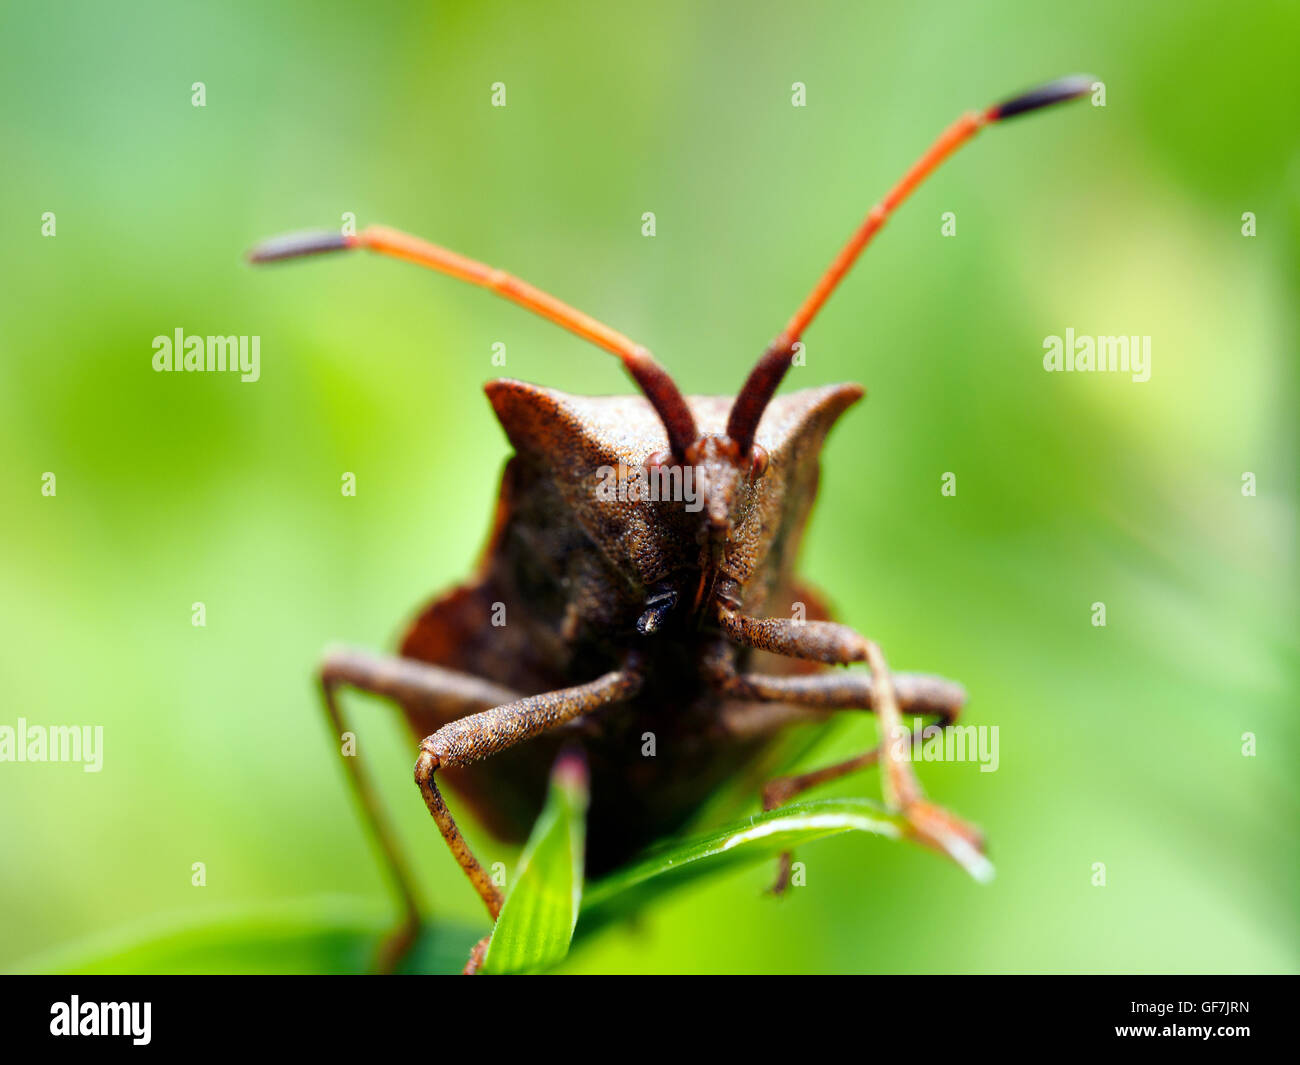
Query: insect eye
{"points": [[757, 462], [657, 607]]}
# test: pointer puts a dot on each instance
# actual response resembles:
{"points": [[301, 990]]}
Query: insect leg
{"points": [[780, 791], [824, 641], [484, 734], [773, 702], [760, 708], [815, 696], [412, 683]]}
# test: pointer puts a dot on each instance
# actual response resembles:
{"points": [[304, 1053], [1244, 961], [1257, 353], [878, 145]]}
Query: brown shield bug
{"points": [[638, 543]]}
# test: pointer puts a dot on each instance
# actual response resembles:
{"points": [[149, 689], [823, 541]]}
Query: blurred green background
{"points": [[1119, 745]]}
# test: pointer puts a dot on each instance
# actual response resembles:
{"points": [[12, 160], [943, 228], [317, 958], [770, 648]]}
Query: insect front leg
{"points": [[444, 692], [481, 735], [773, 703], [781, 790], [824, 641]]}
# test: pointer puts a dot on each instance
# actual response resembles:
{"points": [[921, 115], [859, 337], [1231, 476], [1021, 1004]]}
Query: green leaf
{"points": [[536, 923]]}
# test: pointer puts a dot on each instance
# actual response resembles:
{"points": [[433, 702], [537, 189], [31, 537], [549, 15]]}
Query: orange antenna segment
{"points": [[653, 379], [776, 360], [949, 141]]}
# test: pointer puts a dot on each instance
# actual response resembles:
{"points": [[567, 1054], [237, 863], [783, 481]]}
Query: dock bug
{"points": [[637, 613]]}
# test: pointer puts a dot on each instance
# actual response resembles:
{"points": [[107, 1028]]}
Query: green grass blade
{"points": [[741, 843], [536, 923]]}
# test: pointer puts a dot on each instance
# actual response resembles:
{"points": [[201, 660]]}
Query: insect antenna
{"points": [[649, 374], [776, 360]]}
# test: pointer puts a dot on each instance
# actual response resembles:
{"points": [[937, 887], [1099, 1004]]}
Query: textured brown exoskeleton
{"points": [[628, 616]]}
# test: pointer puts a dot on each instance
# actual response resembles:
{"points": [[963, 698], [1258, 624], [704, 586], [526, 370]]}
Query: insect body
{"points": [[641, 613]]}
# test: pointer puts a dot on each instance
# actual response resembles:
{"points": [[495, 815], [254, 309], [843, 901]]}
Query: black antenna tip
{"points": [[1054, 92], [295, 245]]}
